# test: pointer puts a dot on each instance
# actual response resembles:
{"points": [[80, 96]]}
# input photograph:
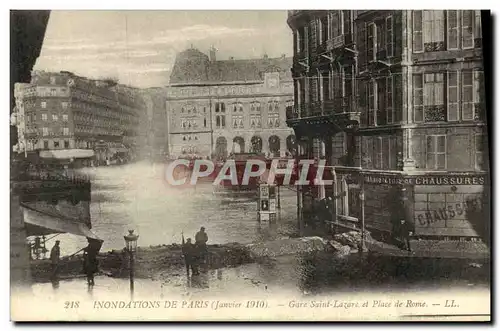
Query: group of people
{"points": [[195, 254], [90, 262]]}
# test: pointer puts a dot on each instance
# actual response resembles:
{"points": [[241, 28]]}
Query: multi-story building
{"points": [[216, 107], [398, 98], [63, 111]]}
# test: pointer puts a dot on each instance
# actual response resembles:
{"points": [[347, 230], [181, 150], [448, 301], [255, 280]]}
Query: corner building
{"points": [[398, 97], [218, 107], [63, 111]]}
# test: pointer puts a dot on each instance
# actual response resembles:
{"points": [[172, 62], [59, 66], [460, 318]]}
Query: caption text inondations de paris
{"points": [[261, 304]]}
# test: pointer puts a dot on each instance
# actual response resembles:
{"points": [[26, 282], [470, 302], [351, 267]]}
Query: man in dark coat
{"points": [[90, 260], [188, 251], [201, 239], [55, 255]]}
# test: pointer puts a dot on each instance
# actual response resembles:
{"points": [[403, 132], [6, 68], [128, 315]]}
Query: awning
{"points": [[67, 153], [53, 224]]}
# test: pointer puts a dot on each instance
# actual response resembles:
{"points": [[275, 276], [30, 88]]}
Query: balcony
{"points": [[339, 105], [435, 113], [335, 43]]}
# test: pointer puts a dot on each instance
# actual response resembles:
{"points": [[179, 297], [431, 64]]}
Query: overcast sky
{"points": [[139, 47]]}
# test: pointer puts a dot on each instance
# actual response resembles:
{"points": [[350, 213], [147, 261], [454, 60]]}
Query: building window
{"points": [[428, 97], [467, 95], [436, 152], [45, 144], [56, 144], [324, 28], [205, 122], [66, 144], [53, 92], [301, 39], [45, 131], [480, 147], [325, 86], [418, 40], [314, 93], [452, 28], [336, 87], [336, 24], [433, 30], [52, 80], [372, 87], [66, 131], [467, 29], [371, 42], [64, 105], [378, 152], [391, 116], [381, 110], [43, 104], [55, 117], [44, 117], [65, 117], [453, 97], [389, 37]]}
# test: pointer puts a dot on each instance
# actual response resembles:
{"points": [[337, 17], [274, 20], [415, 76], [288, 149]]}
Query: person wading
{"points": [[55, 256], [188, 251], [201, 239], [90, 263]]}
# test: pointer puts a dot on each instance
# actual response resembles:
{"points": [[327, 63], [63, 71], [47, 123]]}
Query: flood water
{"points": [[136, 197]]}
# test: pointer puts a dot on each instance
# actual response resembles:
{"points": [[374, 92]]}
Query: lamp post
{"points": [[131, 246]]}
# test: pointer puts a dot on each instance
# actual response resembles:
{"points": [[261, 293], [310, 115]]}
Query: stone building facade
{"points": [[397, 99], [219, 107], [63, 111]]}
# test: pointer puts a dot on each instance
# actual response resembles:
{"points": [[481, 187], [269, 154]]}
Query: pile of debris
{"points": [[287, 247], [345, 243]]}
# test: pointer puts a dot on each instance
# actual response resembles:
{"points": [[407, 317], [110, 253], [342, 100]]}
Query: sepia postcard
{"points": [[250, 165]]}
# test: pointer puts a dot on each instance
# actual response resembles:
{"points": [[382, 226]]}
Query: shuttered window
{"points": [[436, 152], [389, 38], [467, 95], [467, 29], [418, 98], [372, 88], [418, 41], [452, 28], [371, 42], [453, 96], [389, 99]]}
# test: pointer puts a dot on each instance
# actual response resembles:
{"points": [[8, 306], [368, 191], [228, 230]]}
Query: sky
{"points": [[139, 47]]}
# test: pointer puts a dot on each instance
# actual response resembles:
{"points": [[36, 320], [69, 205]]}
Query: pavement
{"points": [[433, 249]]}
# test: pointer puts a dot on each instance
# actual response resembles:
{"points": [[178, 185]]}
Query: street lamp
{"points": [[131, 246]]}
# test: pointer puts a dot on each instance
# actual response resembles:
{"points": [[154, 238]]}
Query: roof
{"points": [[192, 67]]}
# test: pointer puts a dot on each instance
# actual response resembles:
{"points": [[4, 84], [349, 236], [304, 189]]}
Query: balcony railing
{"points": [[335, 106], [435, 113]]}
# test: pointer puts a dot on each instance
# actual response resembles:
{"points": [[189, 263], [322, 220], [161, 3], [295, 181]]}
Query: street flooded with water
{"points": [[135, 196]]}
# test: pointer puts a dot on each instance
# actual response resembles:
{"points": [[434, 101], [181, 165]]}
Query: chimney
{"points": [[212, 54], [231, 58], [283, 56], [266, 57]]}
